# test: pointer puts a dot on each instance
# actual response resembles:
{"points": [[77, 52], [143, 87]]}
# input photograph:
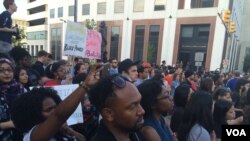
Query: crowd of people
{"points": [[126, 100], [121, 101]]}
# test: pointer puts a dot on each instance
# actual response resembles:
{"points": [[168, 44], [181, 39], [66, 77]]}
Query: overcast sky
{"points": [[21, 8]]}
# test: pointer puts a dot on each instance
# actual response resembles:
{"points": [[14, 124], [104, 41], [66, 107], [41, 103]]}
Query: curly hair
{"points": [[18, 54], [26, 110], [149, 89]]}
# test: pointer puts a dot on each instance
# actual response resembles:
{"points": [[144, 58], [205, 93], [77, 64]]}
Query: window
{"points": [[138, 5], [36, 50], [202, 3], [85, 9], [60, 12], [153, 43], [56, 43], [160, 5], [203, 31], [187, 32], [52, 13], [119, 6], [114, 44], [194, 35], [139, 42], [28, 48], [71, 10], [101, 8], [39, 35], [41, 47], [32, 50]]}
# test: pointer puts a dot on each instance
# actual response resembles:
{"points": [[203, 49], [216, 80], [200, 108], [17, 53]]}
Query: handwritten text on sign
{"points": [[75, 39], [64, 91], [93, 46]]}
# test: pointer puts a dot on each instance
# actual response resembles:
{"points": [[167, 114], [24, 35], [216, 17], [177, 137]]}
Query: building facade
{"points": [[187, 31], [244, 44], [37, 15]]}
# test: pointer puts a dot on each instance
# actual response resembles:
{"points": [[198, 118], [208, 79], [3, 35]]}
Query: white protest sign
{"points": [[75, 39], [64, 91]]}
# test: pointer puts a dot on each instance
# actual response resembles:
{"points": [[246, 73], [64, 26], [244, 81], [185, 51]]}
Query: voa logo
{"points": [[236, 132]]}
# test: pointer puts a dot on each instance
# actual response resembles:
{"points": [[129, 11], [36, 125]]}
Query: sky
{"points": [[21, 8]]}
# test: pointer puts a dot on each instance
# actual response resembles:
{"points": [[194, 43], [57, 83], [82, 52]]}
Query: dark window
{"points": [[85, 9], [71, 10], [28, 48], [193, 40], [41, 47], [202, 3], [153, 43], [115, 30], [203, 31], [160, 5], [36, 50], [56, 43], [32, 50], [139, 42], [52, 13], [60, 12]]}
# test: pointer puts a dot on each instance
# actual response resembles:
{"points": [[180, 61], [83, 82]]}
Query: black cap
{"points": [[126, 64]]}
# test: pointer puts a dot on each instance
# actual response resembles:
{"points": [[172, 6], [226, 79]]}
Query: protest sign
{"points": [[64, 91], [75, 39], [93, 46]]}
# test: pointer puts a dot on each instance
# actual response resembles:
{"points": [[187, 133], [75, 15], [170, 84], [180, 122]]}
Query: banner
{"points": [[75, 39], [93, 46], [64, 91]]}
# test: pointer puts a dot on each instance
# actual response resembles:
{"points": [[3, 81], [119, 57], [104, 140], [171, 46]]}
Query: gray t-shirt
{"points": [[198, 133]]}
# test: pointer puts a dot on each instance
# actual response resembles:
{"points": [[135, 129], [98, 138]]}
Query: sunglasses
{"points": [[119, 81]]}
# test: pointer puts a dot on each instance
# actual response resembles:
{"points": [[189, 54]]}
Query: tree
{"points": [[151, 52], [91, 24], [246, 66], [18, 41]]}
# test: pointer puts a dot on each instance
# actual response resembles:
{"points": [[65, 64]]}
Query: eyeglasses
{"points": [[114, 62], [3, 70], [119, 81]]}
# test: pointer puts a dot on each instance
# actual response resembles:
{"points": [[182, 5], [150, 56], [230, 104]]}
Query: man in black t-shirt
{"points": [[6, 30]]}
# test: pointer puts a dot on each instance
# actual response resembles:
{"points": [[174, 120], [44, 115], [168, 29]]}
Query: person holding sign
{"points": [[44, 119]]}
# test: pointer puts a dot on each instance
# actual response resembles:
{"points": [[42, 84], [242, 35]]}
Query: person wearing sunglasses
{"points": [[118, 101], [157, 102]]}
